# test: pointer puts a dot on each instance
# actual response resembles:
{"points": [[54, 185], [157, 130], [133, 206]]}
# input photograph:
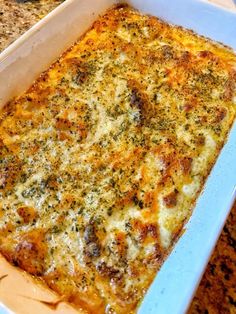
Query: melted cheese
{"points": [[102, 159]]}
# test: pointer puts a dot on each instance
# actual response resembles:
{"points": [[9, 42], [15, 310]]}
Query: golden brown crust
{"points": [[103, 157]]}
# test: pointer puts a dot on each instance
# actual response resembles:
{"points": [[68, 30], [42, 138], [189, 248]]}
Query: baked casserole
{"points": [[103, 158]]}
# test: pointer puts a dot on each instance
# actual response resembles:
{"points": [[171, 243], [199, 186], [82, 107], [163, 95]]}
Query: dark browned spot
{"points": [[81, 76], [228, 93], [30, 253], [63, 124], [138, 202], [2, 180], [167, 52], [200, 140], [136, 100], [89, 233], [93, 247], [185, 164], [27, 213], [220, 115], [107, 271], [187, 107], [10, 170], [148, 230], [230, 87], [184, 59], [170, 200], [208, 54]]}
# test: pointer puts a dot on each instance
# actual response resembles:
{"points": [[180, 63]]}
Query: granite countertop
{"points": [[17, 16], [217, 291]]}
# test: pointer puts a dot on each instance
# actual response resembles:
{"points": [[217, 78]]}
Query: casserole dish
{"points": [[14, 89]]}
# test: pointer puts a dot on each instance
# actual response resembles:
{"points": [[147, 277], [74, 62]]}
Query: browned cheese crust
{"points": [[102, 159]]}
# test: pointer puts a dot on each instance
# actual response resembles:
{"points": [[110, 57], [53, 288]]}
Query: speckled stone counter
{"points": [[217, 291], [17, 16]]}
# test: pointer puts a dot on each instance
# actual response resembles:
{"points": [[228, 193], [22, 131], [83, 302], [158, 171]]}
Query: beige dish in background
{"points": [[229, 4]]}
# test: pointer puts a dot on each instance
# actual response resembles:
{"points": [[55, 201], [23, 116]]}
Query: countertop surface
{"points": [[217, 290]]}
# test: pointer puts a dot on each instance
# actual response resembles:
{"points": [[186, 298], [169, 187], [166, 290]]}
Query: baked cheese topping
{"points": [[102, 159]]}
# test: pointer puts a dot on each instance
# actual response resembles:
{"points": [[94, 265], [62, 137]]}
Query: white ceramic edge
{"points": [[175, 283], [203, 17], [4, 310]]}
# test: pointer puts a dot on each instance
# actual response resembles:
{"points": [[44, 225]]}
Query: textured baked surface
{"points": [[103, 158]]}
